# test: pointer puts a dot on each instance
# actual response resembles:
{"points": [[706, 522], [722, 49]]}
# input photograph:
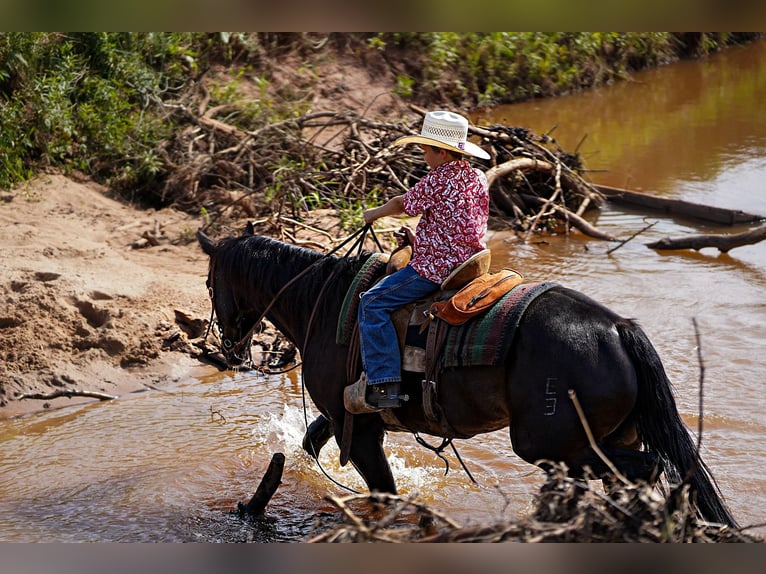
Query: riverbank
{"points": [[89, 303], [101, 298]]}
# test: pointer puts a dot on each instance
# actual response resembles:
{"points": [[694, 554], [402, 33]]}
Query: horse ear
{"points": [[249, 229], [207, 244]]}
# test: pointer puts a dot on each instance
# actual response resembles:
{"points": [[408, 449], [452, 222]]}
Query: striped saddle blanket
{"points": [[481, 341]]}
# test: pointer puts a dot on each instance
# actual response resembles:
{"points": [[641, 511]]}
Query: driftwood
{"points": [[565, 510], [266, 489], [69, 393], [721, 242], [636, 234], [679, 207]]}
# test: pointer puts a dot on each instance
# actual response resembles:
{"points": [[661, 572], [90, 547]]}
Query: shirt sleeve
{"points": [[420, 196]]}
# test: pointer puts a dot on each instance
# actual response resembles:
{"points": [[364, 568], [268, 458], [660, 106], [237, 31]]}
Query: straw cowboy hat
{"points": [[445, 130]]}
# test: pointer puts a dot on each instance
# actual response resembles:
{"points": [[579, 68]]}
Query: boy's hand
{"points": [[404, 236]]}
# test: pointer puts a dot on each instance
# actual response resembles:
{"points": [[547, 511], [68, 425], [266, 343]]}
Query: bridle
{"points": [[228, 346], [234, 349]]}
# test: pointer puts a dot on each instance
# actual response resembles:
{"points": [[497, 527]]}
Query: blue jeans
{"points": [[379, 347]]}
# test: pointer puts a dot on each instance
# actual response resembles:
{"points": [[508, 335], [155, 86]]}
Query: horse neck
{"points": [[300, 289]]}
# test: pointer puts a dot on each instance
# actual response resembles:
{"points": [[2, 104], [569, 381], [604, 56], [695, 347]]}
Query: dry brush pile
{"points": [[565, 510], [346, 162]]}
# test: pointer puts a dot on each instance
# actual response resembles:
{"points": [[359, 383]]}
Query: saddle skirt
{"points": [[482, 340]]}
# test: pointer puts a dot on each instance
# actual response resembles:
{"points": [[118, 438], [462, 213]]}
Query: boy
{"points": [[453, 200]]}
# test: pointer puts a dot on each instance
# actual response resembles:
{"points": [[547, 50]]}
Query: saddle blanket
{"points": [[481, 341], [486, 339]]}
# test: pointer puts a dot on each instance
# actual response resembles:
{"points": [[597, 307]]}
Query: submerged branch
{"points": [[69, 393]]}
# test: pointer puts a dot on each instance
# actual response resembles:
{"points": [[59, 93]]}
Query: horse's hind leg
{"points": [[317, 435], [635, 465]]}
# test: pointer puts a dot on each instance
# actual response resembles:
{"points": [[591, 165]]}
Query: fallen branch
{"points": [[519, 163], [636, 234], [68, 393], [721, 242], [678, 206], [266, 489], [575, 220]]}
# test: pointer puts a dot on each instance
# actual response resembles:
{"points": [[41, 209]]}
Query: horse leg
{"points": [[317, 435], [367, 454]]}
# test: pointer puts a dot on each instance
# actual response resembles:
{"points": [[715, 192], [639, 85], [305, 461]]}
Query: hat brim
{"points": [[470, 148]]}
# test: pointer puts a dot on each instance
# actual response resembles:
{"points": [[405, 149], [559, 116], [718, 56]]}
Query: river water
{"points": [[171, 466]]}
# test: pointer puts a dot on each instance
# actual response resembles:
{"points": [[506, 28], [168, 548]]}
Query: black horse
{"points": [[564, 343]]}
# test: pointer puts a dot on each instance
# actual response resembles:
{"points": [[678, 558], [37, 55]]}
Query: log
{"points": [[721, 242], [266, 489], [520, 163], [680, 207]]}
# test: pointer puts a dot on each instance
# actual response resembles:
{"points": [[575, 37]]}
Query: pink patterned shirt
{"points": [[454, 201]]}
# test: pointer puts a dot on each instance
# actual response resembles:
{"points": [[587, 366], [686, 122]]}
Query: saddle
{"points": [[422, 327]]}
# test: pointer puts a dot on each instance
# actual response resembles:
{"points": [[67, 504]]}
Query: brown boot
{"points": [[362, 397], [354, 398]]}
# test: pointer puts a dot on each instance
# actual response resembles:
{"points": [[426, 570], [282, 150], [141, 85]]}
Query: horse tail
{"points": [[661, 429]]}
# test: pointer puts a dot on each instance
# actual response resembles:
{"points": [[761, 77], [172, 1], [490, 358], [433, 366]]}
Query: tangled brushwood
{"points": [[565, 510], [346, 162]]}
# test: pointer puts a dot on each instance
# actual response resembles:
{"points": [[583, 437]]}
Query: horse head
{"points": [[235, 325]]}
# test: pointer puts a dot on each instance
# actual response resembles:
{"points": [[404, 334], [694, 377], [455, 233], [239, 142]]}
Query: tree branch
{"points": [[722, 242]]}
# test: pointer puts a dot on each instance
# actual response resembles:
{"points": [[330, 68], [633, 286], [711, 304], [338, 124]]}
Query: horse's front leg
{"points": [[367, 454], [317, 435]]}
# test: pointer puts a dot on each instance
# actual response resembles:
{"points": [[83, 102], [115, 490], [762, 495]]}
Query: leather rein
{"points": [[236, 348]]}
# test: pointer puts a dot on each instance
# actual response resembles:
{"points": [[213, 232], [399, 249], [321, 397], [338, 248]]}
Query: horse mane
{"points": [[263, 261]]}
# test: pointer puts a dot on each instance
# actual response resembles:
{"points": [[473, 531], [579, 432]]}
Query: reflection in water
{"points": [[667, 130], [170, 466]]}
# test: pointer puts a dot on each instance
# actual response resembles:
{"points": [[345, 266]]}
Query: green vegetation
{"points": [[110, 104], [483, 69]]}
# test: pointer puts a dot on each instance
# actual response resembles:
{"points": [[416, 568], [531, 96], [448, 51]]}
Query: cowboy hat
{"points": [[445, 130]]}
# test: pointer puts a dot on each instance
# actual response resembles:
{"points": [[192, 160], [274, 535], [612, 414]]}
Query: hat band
{"points": [[446, 135]]}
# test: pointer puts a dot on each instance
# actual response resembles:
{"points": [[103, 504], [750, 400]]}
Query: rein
{"points": [[237, 347], [437, 450]]}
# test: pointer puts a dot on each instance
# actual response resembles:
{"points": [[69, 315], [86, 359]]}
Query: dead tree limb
{"points": [[721, 242], [636, 234], [266, 489], [519, 163], [546, 205], [576, 221], [678, 206], [69, 393]]}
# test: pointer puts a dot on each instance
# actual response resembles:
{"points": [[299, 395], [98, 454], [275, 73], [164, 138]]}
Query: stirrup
{"points": [[354, 398], [361, 397], [385, 396]]}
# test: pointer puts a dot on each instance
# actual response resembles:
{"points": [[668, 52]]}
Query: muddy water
{"points": [[170, 466]]}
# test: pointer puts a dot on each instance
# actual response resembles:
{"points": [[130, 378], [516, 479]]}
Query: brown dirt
{"points": [[90, 292], [101, 297]]}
